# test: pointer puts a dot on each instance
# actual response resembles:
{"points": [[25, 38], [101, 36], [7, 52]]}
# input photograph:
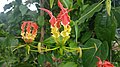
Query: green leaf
{"points": [[80, 2], [105, 27], [117, 14], [19, 2], [51, 3], [49, 40], [68, 3], [42, 58], [41, 20], [72, 44], [89, 56], [11, 41], [68, 64], [89, 12], [23, 9], [86, 36], [104, 50]]}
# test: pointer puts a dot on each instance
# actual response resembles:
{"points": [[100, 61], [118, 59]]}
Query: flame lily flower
{"points": [[54, 25], [103, 64], [29, 31], [63, 19]]}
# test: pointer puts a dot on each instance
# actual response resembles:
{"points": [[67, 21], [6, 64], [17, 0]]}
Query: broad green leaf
{"points": [[89, 56], [108, 6], [86, 36], [89, 12], [104, 50], [51, 3], [41, 20], [117, 15], [41, 59], [68, 64], [23, 9], [68, 3], [49, 40], [105, 27]]}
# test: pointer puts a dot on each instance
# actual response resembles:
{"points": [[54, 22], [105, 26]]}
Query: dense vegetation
{"points": [[93, 30]]}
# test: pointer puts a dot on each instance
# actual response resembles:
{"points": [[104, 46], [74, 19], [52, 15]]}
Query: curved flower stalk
{"points": [[103, 64], [64, 19], [29, 31]]}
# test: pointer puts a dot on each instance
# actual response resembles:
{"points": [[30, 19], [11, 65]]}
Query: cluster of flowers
{"points": [[62, 18], [29, 29]]}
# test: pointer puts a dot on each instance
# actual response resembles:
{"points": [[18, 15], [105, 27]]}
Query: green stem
{"points": [[34, 46], [87, 48], [51, 49], [69, 49], [81, 48], [34, 50], [19, 47]]}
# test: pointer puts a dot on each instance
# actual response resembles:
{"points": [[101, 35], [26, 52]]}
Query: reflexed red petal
{"points": [[65, 19], [53, 19], [59, 19], [61, 6], [99, 63], [35, 27], [23, 26], [107, 64], [49, 12], [59, 15], [28, 27], [63, 15]]}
